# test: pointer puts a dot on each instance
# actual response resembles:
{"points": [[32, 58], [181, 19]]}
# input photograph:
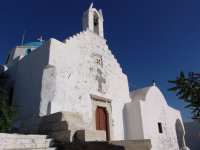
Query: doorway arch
{"points": [[102, 120], [105, 104], [180, 134]]}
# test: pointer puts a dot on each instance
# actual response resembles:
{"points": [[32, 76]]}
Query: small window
{"points": [[98, 60], [160, 127], [28, 51]]}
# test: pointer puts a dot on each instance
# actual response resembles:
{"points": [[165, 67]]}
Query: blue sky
{"points": [[151, 39]]}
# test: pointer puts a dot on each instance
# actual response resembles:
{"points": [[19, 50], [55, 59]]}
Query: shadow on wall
{"points": [[125, 122], [180, 134]]}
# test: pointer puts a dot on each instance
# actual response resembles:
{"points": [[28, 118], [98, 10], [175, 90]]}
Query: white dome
{"points": [[148, 93]]}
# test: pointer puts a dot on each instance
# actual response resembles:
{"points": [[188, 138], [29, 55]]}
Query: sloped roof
{"points": [[140, 94], [152, 93]]}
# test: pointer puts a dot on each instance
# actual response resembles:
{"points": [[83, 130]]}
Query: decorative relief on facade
{"points": [[100, 80]]}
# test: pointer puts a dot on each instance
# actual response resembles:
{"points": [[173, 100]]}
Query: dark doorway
{"points": [[102, 120], [180, 134]]}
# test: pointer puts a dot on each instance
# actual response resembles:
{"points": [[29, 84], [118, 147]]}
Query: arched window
{"points": [[96, 19], [28, 51]]}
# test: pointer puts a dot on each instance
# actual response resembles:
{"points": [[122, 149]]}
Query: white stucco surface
{"points": [[75, 72], [153, 109], [25, 76]]}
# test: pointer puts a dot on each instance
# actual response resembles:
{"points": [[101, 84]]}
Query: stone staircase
{"points": [[69, 127], [25, 142]]}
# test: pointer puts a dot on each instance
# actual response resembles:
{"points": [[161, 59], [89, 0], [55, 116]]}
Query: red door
{"points": [[102, 120]]}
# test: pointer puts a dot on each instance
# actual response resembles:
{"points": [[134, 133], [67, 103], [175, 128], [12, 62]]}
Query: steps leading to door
{"points": [[68, 127]]}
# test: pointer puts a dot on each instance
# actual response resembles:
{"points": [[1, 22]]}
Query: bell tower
{"points": [[93, 20]]}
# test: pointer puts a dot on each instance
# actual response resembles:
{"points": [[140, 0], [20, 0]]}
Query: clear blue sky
{"points": [[151, 39]]}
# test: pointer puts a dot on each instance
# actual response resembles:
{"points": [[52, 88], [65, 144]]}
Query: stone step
{"points": [[22, 136], [26, 140], [63, 125], [27, 143], [116, 145], [61, 116], [134, 144], [32, 149], [64, 135], [19, 141], [90, 135]]}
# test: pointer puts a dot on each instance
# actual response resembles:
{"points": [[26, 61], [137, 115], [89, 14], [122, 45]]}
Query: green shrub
{"points": [[7, 113]]}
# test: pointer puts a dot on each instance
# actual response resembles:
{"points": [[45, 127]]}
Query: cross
{"points": [[192, 75], [100, 80], [41, 39]]}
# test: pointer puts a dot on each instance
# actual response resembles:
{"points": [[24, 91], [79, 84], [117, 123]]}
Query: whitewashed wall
{"points": [[75, 71], [154, 109], [134, 128], [26, 76]]}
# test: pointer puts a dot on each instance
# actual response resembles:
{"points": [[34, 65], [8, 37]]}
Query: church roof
{"points": [[148, 93], [37, 44], [140, 94]]}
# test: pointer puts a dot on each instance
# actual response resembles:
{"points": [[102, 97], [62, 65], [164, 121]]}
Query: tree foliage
{"points": [[188, 89], [7, 113]]}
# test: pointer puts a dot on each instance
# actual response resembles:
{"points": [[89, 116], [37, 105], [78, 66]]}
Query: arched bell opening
{"points": [[96, 23]]}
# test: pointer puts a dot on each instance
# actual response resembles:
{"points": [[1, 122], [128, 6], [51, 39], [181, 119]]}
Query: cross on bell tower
{"points": [[93, 20]]}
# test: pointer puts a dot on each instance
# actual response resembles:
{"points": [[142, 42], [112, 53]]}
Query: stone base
{"points": [[63, 135], [90, 135], [134, 144], [69, 127], [113, 145], [61, 121], [27, 142]]}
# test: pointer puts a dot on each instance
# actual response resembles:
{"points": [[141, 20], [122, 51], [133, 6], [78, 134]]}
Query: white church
{"points": [[75, 90]]}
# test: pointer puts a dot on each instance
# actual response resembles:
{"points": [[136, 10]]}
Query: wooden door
{"points": [[102, 120]]}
